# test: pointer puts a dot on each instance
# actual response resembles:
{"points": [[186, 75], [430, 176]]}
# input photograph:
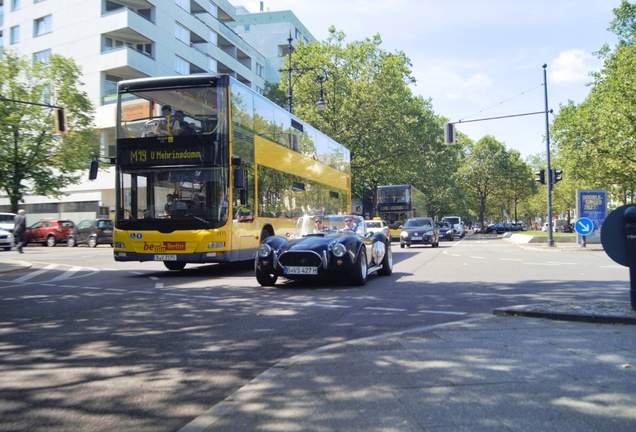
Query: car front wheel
{"points": [[265, 279], [92, 242], [51, 241], [359, 274], [70, 242]]}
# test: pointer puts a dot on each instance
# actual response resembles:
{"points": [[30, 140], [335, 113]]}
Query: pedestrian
{"points": [[19, 230]]}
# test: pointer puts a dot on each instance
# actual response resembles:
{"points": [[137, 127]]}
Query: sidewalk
{"points": [[494, 373], [9, 265]]}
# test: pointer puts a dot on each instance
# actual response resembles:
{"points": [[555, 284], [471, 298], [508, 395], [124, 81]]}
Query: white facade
{"points": [[113, 40]]}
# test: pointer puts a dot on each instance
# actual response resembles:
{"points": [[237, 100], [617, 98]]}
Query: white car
{"points": [[6, 240], [458, 225], [6, 221], [375, 225]]}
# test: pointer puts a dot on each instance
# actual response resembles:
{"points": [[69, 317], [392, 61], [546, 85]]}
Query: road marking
{"points": [[143, 292], [478, 257], [159, 285], [511, 259], [67, 274], [442, 312], [330, 306], [560, 262], [31, 275], [115, 289], [384, 309]]}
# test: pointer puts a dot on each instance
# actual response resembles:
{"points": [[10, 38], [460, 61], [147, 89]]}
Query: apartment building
{"points": [[113, 40]]}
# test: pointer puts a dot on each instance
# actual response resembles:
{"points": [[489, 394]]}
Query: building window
{"points": [[15, 5], [184, 4], [15, 34], [42, 26], [259, 70], [181, 66], [182, 33], [42, 56], [110, 88]]}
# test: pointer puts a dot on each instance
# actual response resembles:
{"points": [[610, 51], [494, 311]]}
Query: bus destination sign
{"points": [[162, 154]]}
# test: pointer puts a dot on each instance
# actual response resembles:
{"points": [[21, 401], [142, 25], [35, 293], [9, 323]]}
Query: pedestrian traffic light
{"points": [[449, 133], [556, 175], [540, 176]]}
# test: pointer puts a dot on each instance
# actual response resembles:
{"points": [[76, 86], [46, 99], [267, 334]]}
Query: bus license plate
{"points": [[165, 257], [301, 270]]}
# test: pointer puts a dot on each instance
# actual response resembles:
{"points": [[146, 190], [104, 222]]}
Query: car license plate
{"points": [[417, 237], [165, 257], [301, 270]]}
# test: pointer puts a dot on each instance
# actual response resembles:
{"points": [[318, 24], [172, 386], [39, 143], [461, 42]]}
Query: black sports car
{"points": [[333, 249]]}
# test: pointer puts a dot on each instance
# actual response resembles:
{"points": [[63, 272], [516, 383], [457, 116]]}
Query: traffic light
{"points": [[449, 133], [556, 175], [60, 121], [540, 176]]}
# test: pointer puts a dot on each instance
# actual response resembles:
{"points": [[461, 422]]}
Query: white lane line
{"points": [[115, 289], [478, 257], [331, 306], [441, 312], [207, 297], [143, 292], [511, 259], [541, 263], [561, 262], [31, 275], [384, 309], [158, 285]]}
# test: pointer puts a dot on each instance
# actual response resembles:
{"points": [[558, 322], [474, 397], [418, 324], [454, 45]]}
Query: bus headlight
{"points": [[339, 250], [264, 250]]}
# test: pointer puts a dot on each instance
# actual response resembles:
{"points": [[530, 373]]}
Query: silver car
{"points": [[7, 240]]}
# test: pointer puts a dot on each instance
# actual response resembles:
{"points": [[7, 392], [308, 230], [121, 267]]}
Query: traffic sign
{"points": [[584, 226]]}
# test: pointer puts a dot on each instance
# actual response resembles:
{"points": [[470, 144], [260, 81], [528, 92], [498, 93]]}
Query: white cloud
{"points": [[573, 66]]}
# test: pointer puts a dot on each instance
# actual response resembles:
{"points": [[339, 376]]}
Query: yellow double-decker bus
{"points": [[206, 168], [397, 203]]}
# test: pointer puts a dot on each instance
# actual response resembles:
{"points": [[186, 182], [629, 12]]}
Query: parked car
{"points": [[445, 231], [49, 232], [477, 228], [566, 229], [92, 232], [420, 230], [499, 228], [334, 251], [6, 221], [7, 241]]}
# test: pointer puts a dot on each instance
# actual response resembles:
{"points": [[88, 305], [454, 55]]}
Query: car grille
{"points": [[304, 259]]}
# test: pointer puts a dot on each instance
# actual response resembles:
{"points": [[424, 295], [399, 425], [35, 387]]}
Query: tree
{"points": [[35, 160], [483, 172], [394, 137]]}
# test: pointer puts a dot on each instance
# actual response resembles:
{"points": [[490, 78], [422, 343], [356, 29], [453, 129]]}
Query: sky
{"points": [[478, 59]]}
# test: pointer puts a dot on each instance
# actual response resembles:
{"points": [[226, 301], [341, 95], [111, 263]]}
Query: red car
{"points": [[49, 232]]}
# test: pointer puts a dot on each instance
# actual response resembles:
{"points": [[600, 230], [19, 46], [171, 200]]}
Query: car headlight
{"points": [[264, 250], [339, 250], [404, 234]]}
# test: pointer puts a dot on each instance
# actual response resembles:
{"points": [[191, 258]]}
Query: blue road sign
{"points": [[584, 226]]}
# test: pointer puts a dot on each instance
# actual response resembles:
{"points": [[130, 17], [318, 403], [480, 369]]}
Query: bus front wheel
{"points": [[174, 265]]}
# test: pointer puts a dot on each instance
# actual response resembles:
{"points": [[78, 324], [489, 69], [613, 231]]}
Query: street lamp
{"points": [[320, 105]]}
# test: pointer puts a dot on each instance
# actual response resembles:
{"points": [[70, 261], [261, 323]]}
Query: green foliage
{"points": [[394, 137], [34, 159], [596, 139]]}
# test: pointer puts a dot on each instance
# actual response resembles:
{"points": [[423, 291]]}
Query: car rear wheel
{"points": [[92, 242], [174, 265], [359, 274], [70, 242], [387, 263], [51, 241]]}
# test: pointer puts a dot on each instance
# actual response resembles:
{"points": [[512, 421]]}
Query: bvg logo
{"points": [[165, 247]]}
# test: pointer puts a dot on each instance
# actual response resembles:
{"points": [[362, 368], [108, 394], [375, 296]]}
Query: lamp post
{"points": [[320, 105]]}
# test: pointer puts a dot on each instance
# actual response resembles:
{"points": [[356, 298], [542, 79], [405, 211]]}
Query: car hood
{"points": [[312, 242]]}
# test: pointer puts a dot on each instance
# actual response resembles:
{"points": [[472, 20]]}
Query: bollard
{"points": [[630, 235]]}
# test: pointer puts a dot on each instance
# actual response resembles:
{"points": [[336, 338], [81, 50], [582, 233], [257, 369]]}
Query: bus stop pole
{"points": [[630, 234]]}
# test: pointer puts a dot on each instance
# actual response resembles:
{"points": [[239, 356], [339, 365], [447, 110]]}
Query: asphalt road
{"points": [[90, 344]]}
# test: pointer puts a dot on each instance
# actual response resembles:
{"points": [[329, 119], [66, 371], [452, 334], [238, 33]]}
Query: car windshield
{"points": [[414, 223], [330, 223]]}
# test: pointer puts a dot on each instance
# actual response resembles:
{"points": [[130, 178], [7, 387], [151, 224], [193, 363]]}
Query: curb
{"points": [[525, 311], [7, 266]]}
